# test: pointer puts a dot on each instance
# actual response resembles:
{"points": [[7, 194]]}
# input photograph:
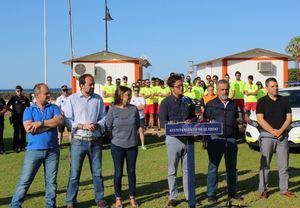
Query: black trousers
{"points": [[19, 139], [1, 136]]}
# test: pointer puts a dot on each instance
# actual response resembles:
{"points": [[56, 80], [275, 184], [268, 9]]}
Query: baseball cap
{"points": [[64, 87], [18, 87]]}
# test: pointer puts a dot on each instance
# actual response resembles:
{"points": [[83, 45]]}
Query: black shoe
{"points": [[172, 203], [212, 199], [236, 196]]}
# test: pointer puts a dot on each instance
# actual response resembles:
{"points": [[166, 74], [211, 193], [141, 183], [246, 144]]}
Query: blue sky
{"points": [[169, 32]]}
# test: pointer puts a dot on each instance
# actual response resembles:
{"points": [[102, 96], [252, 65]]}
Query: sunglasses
{"points": [[178, 86]]}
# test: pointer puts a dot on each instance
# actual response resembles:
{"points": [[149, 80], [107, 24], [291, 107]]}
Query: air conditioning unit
{"points": [[264, 67], [83, 68]]}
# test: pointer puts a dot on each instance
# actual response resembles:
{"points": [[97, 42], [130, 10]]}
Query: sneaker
{"points": [[102, 204], [288, 194], [236, 196], [212, 199], [263, 195], [144, 147], [172, 203]]}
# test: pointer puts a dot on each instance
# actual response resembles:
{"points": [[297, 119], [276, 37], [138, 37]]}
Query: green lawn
{"points": [[152, 189]]}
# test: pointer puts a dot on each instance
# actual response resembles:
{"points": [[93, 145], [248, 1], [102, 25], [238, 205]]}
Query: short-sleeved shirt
{"points": [[148, 91], [191, 94], [138, 101], [261, 93], [274, 111], [61, 102], [156, 89], [185, 86], [198, 91], [18, 104], [43, 140], [111, 90], [251, 88], [164, 91], [2, 104], [126, 85], [238, 87]]}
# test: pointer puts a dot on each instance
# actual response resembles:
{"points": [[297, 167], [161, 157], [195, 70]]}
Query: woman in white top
{"points": [[140, 103]]}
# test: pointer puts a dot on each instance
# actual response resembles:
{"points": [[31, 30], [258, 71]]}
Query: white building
{"points": [[258, 62], [105, 63]]}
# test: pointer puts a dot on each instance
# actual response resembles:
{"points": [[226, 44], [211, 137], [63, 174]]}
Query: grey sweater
{"points": [[124, 124]]}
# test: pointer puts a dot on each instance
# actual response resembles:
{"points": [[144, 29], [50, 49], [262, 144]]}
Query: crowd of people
{"points": [[126, 111]]}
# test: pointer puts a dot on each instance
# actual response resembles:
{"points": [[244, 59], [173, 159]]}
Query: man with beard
{"points": [[218, 110]]}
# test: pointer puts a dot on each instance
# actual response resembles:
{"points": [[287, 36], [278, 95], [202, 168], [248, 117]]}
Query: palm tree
{"points": [[293, 48]]}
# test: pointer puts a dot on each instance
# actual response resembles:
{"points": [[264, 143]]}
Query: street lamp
{"points": [[107, 18]]}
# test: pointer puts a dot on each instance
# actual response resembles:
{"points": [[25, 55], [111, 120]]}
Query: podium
{"points": [[190, 130]]}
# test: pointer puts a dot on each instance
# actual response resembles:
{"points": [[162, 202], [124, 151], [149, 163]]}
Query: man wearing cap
{"points": [[125, 82], [18, 103], [61, 102], [108, 92]]}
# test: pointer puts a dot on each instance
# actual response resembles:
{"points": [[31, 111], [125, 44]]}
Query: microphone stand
{"points": [[229, 200]]}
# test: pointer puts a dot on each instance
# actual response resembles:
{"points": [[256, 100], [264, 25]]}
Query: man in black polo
{"points": [[18, 102], [219, 109], [274, 116], [176, 108], [2, 112]]}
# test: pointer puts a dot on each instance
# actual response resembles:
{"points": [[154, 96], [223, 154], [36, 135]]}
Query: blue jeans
{"points": [[79, 149], [216, 149], [119, 154], [32, 162]]}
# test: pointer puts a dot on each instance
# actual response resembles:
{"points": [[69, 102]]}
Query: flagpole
{"points": [[71, 29], [106, 38], [45, 45]]}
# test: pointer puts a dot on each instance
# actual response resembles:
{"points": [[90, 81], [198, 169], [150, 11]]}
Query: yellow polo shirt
{"points": [[251, 88], [109, 89], [238, 87], [148, 91]]}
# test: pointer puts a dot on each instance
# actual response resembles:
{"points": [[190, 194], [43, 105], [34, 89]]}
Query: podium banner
{"points": [[194, 129]]}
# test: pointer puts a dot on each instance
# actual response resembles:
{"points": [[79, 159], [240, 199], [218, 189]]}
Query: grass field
{"points": [[152, 188]]}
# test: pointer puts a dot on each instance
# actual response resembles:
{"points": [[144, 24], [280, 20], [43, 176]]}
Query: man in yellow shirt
{"points": [[238, 92], [189, 93], [125, 82], [198, 89], [162, 92], [155, 86], [108, 92], [250, 91], [148, 93]]}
